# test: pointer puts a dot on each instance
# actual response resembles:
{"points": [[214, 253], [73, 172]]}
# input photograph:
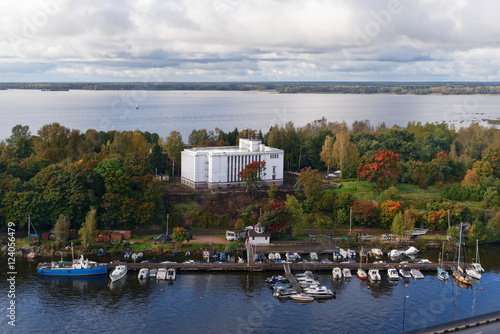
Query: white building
{"points": [[218, 167], [259, 236]]}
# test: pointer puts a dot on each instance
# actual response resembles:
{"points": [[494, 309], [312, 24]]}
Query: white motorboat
{"points": [[302, 297], [361, 274], [305, 282], [277, 256], [343, 253], [336, 273], [143, 273], [411, 251], [395, 253], [419, 231], [337, 256], [392, 274], [351, 253], [307, 274], [377, 252], [319, 292], [118, 273], [292, 256], [161, 274], [374, 274], [417, 274], [346, 273], [314, 257], [271, 257], [424, 261], [171, 274], [152, 272], [405, 273], [283, 292]]}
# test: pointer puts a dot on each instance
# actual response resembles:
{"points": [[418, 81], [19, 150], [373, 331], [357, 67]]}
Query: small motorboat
{"points": [[306, 282], [417, 274], [271, 257], [277, 256], [118, 273], [343, 253], [153, 272], [374, 275], [187, 254], [411, 251], [351, 253], [405, 273], [161, 274], [319, 292], [223, 257], [395, 253], [283, 292], [424, 261], [325, 260], [308, 274], [346, 273], [302, 297], [292, 256], [134, 257], [442, 274], [361, 274], [337, 256], [336, 273], [126, 255], [362, 253], [314, 257], [377, 252], [276, 278], [171, 274], [392, 274], [140, 254], [143, 273]]}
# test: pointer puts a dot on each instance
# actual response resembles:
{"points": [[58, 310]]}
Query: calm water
{"points": [[165, 111], [238, 303]]}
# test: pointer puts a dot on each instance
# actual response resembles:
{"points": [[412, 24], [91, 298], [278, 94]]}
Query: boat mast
{"points": [[477, 251], [459, 245]]}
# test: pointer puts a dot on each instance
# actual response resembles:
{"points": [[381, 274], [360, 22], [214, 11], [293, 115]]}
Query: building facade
{"points": [[218, 167], [259, 236]]}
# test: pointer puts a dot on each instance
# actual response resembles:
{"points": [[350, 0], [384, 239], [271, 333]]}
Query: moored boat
{"points": [[361, 274], [319, 292], [405, 273], [118, 273], [79, 267], [336, 273], [417, 274], [346, 273], [442, 274], [394, 253], [302, 297], [314, 257], [392, 274], [457, 271], [475, 269], [374, 275], [411, 251], [161, 274], [171, 274], [351, 253], [143, 273], [377, 252], [153, 272]]}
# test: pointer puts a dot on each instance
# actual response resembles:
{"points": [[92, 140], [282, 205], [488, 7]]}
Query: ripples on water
{"points": [[235, 303]]}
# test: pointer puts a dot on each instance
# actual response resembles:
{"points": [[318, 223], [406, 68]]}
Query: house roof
{"points": [[253, 233]]}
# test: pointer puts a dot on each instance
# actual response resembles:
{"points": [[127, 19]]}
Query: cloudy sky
{"points": [[251, 40]]}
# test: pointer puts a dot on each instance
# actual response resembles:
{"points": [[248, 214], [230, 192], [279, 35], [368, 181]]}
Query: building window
{"points": [[274, 172]]}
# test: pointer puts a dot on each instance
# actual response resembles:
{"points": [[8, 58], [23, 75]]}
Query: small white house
{"points": [[218, 167], [259, 236]]}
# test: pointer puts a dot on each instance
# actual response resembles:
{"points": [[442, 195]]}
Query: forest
{"points": [[423, 175], [414, 88]]}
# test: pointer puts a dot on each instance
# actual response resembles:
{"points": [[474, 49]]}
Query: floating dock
{"points": [[226, 266]]}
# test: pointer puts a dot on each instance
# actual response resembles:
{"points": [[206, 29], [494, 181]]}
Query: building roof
{"points": [[253, 233]]}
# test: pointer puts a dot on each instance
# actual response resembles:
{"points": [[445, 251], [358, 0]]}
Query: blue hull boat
{"points": [[78, 267]]}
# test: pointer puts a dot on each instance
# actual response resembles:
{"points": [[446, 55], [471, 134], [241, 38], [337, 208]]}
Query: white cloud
{"points": [[219, 40]]}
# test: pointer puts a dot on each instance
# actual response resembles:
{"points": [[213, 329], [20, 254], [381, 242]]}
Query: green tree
{"points": [[88, 229], [309, 184], [174, 146], [397, 227], [61, 228], [21, 141]]}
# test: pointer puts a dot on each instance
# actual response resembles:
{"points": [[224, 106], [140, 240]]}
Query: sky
{"points": [[251, 40]]}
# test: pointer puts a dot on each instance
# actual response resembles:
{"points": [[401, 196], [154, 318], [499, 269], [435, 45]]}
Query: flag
{"points": [[67, 247]]}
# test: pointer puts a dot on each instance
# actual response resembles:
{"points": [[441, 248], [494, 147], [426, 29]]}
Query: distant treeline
{"points": [[421, 88]]}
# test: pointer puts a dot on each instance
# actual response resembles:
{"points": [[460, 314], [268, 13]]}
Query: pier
{"points": [[234, 267]]}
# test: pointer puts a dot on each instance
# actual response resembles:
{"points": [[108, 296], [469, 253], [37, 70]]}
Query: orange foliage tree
{"points": [[380, 167], [388, 211]]}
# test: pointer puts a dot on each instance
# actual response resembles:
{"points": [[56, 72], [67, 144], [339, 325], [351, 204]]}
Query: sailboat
{"points": [[442, 274], [137, 106], [361, 272], [475, 269], [458, 273]]}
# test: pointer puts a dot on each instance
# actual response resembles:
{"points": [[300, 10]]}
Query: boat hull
{"points": [[101, 270]]}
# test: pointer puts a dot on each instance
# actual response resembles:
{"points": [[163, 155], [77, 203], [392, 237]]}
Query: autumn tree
{"points": [[308, 184], [379, 167], [345, 153], [327, 155], [252, 175], [180, 234]]}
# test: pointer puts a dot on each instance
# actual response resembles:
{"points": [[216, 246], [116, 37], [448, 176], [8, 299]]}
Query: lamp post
{"points": [[350, 220], [448, 219], [404, 309]]}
